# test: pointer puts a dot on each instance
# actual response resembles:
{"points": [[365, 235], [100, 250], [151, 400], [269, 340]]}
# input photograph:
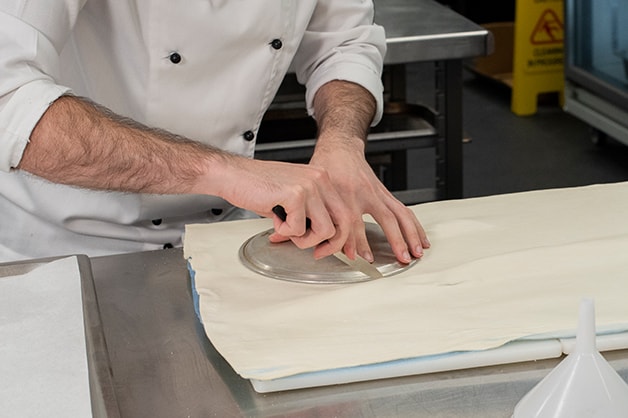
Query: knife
{"points": [[359, 264]]}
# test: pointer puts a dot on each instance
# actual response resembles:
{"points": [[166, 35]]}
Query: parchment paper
{"points": [[43, 359], [500, 268]]}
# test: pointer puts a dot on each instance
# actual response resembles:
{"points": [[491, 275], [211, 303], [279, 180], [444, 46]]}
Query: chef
{"points": [[122, 121]]}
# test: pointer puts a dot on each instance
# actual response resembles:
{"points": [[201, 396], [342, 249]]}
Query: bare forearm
{"points": [[343, 110], [82, 144]]}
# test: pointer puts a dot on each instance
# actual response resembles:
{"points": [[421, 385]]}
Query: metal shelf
{"points": [[288, 134]]}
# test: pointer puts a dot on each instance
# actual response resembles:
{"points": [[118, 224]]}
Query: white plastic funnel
{"points": [[582, 385]]}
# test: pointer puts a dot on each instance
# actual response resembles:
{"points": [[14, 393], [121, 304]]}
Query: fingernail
{"points": [[419, 251], [406, 256], [368, 257]]}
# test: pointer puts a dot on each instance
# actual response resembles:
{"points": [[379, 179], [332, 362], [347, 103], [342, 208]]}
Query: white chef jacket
{"points": [[205, 69]]}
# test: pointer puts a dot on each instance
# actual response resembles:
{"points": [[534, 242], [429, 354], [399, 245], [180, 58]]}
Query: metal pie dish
{"points": [[285, 261]]}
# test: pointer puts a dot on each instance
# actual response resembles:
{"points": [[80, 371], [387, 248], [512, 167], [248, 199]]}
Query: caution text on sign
{"points": [[544, 50]]}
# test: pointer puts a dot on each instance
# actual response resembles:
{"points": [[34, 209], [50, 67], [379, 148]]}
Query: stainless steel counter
{"points": [[419, 31], [164, 366]]}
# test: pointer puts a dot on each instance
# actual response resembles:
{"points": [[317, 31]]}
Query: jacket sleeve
{"points": [[32, 35], [342, 43]]}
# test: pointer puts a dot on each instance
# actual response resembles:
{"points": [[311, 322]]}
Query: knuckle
{"points": [[320, 174], [328, 232], [298, 192]]}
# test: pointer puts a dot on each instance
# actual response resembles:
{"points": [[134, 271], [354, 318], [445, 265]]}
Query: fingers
{"points": [[323, 249], [335, 211], [401, 227], [403, 230], [302, 233], [362, 246], [298, 224], [328, 235], [310, 221]]}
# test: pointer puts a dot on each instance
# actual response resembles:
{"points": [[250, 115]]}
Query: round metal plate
{"points": [[285, 261]]}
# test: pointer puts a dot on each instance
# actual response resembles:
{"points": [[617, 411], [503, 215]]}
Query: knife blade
{"points": [[359, 264]]}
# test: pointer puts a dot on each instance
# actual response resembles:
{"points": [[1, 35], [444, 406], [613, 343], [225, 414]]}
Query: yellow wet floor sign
{"points": [[538, 53]]}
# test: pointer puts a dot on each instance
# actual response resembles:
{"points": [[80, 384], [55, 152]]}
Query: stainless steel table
{"points": [[164, 366], [417, 31]]}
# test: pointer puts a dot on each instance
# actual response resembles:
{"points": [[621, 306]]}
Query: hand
{"points": [[362, 192], [304, 191]]}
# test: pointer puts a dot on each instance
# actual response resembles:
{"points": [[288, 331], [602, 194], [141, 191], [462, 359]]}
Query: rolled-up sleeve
{"points": [[31, 37], [342, 43]]}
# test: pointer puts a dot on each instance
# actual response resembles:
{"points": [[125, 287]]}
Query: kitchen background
{"points": [[506, 153]]}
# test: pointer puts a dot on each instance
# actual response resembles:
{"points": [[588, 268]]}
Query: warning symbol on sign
{"points": [[548, 29]]}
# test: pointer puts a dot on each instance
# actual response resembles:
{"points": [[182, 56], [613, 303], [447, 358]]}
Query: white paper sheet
{"points": [[43, 359], [500, 268]]}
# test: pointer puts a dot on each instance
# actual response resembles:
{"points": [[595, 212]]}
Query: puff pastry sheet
{"points": [[500, 268]]}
